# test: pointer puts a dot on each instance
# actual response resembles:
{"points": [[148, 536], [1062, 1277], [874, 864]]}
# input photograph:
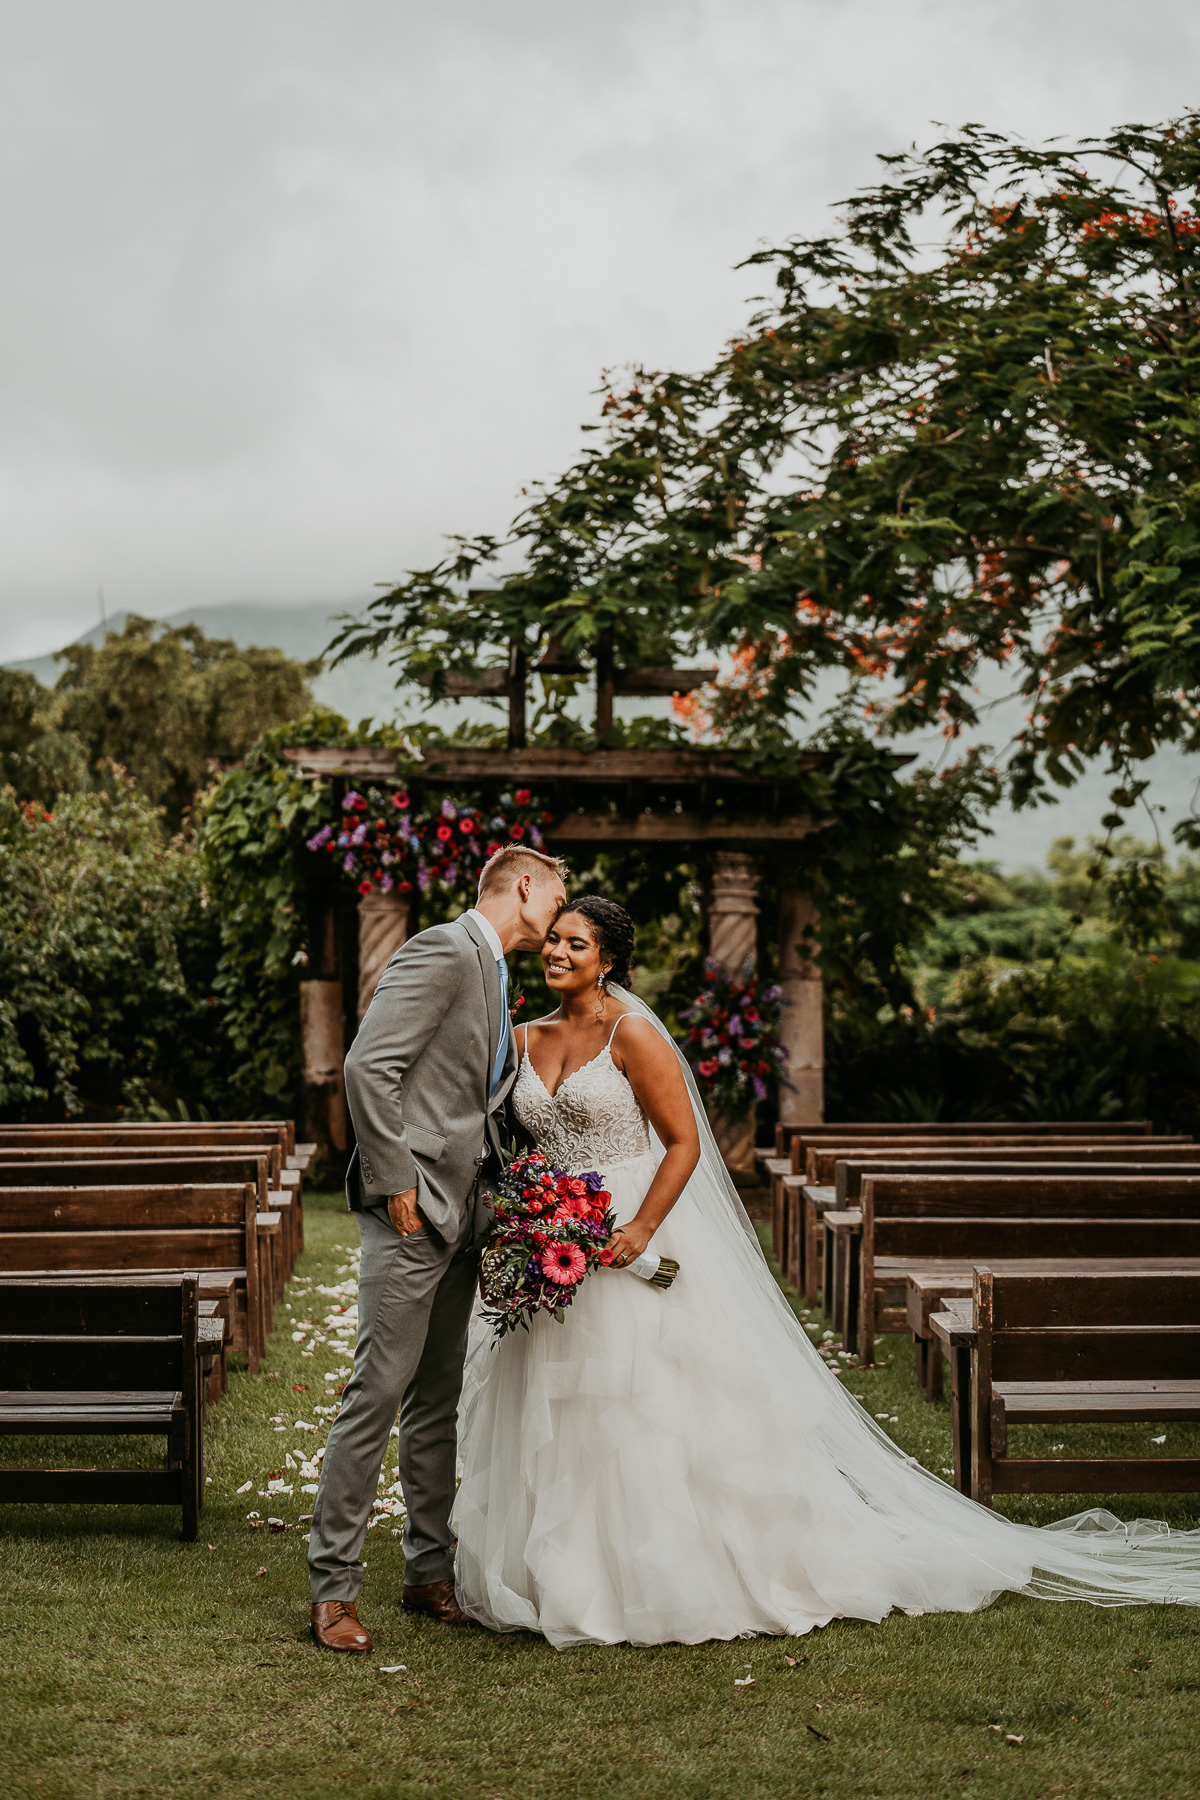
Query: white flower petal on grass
{"points": [[393, 1668], [245, 1487], [308, 1487], [1159, 1440]]}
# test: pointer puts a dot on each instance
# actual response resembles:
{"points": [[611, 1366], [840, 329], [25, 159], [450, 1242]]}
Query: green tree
{"points": [[917, 460], [108, 952], [37, 759], [164, 702]]}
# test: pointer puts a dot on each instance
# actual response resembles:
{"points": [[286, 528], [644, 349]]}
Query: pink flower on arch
{"points": [[565, 1264]]}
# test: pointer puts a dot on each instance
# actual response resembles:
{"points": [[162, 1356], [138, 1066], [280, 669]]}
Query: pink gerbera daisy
{"points": [[565, 1263]]}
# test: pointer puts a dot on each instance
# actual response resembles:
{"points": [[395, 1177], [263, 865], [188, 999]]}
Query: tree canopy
{"points": [[162, 701], [961, 432]]}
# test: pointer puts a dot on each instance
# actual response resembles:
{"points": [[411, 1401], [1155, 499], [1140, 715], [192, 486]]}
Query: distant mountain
{"points": [[362, 689]]}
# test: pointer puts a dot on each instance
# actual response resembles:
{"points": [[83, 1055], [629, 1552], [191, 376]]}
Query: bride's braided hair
{"points": [[612, 929]]}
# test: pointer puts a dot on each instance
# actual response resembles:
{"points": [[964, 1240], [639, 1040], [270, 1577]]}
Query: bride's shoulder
{"points": [[636, 1037]]}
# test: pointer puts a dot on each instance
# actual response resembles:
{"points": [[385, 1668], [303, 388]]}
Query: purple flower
{"points": [[449, 810], [535, 837], [386, 884], [760, 1088], [359, 834], [350, 803], [350, 862], [322, 837]]}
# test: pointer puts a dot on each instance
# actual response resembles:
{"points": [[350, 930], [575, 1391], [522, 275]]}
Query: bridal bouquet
{"points": [[552, 1229]]}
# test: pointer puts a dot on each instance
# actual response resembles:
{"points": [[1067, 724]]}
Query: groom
{"points": [[432, 1063]]}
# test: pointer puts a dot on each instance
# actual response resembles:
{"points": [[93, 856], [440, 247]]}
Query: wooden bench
{"points": [[1088, 1159], [820, 1161], [934, 1287], [808, 1249], [55, 1166], [906, 1219], [1028, 1128], [103, 1359], [195, 1227], [1082, 1348]]}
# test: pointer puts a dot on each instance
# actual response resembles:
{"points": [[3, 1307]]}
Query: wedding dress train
{"points": [[678, 1465]]}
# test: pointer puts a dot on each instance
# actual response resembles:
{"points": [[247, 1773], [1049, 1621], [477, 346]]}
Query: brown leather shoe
{"points": [[335, 1626], [438, 1599]]}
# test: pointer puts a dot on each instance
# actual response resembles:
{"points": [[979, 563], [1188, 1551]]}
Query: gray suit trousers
{"points": [[414, 1306]]}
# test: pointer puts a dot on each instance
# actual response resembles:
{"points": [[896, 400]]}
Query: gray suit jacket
{"points": [[418, 1077]]}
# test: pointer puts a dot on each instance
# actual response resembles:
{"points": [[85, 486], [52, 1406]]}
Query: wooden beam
{"points": [[661, 680], [680, 827], [456, 762], [467, 687]]}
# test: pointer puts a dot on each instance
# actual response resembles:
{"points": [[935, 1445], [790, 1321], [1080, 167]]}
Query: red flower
{"points": [[606, 1256], [466, 826], [709, 1066], [444, 834], [492, 847], [364, 887], [401, 800], [547, 818], [522, 796], [404, 887], [516, 833]]}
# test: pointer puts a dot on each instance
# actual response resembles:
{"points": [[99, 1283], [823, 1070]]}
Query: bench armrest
{"points": [[211, 1334], [269, 1223], [844, 1221]]}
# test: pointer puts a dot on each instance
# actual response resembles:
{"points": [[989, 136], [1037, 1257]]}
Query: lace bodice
{"points": [[594, 1121]]}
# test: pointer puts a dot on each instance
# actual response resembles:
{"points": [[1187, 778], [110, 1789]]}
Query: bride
{"points": [[672, 1466]]}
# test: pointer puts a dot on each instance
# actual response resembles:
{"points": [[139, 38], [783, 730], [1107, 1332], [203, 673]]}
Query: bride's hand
{"points": [[628, 1241]]}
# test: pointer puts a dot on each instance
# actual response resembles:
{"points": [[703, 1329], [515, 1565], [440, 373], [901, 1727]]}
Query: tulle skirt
{"points": [[645, 1471]]}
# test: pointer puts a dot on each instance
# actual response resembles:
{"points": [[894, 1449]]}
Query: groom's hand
{"points": [[405, 1214]]}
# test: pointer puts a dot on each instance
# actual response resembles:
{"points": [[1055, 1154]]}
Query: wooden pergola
{"points": [[698, 800]]}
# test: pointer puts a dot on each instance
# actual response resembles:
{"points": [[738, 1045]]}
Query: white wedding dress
{"points": [[677, 1465]]}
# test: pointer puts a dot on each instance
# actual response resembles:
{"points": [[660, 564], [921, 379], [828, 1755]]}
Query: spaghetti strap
{"points": [[612, 1034]]}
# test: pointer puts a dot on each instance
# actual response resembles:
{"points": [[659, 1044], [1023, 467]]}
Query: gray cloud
{"points": [[292, 289]]}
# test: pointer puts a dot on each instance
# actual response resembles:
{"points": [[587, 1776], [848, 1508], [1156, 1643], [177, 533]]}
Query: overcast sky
{"points": [[294, 288]]}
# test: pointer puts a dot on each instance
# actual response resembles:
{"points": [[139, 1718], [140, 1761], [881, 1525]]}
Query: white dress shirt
{"points": [[490, 934]]}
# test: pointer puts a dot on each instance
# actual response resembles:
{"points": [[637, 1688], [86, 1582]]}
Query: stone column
{"points": [[382, 928], [733, 942], [323, 1040], [802, 1026]]}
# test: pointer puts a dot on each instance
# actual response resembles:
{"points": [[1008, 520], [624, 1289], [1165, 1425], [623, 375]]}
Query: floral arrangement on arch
{"points": [[383, 842], [732, 1041]]}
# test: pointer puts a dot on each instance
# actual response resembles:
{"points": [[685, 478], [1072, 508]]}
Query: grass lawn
{"points": [[134, 1664]]}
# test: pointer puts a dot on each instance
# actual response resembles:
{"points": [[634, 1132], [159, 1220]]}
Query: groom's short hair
{"points": [[512, 861]]}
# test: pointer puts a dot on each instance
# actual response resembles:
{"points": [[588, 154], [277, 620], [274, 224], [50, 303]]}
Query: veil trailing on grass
{"points": [[881, 1531]]}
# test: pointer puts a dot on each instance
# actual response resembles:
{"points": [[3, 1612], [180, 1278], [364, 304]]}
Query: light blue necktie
{"points": [[505, 1025]]}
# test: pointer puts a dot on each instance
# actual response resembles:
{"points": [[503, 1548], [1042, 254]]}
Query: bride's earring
{"points": [[603, 995]]}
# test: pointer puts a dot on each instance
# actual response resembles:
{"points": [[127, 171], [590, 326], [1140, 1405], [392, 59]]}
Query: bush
{"points": [[108, 949]]}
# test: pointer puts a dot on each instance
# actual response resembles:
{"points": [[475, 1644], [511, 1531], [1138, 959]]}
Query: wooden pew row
{"points": [[817, 1160], [820, 1162], [1073, 1345], [1030, 1128], [190, 1135], [800, 1202], [94, 1167], [910, 1218], [197, 1227], [97, 1359]]}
